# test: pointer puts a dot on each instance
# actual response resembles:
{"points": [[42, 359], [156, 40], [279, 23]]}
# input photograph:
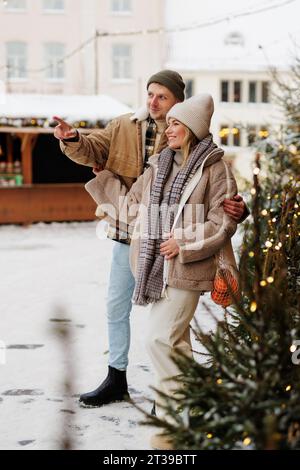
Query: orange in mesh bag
{"points": [[226, 278]]}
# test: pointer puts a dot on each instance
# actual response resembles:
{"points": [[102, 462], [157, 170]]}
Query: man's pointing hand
{"points": [[63, 130]]}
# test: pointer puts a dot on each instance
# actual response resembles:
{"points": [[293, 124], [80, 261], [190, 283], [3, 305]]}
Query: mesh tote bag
{"points": [[226, 283]]}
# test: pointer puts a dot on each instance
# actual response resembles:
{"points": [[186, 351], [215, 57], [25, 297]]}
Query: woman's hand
{"points": [[170, 248], [97, 169]]}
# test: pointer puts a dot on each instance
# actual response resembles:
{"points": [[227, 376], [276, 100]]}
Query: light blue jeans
{"points": [[119, 305]]}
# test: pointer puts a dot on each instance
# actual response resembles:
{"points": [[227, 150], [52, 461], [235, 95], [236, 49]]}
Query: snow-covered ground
{"points": [[53, 272]]}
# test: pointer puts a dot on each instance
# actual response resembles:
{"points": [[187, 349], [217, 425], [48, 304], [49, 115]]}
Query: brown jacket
{"points": [[118, 147], [194, 268]]}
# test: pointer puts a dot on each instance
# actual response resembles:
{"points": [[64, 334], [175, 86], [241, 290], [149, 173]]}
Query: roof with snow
{"points": [[69, 107], [248, 36]]}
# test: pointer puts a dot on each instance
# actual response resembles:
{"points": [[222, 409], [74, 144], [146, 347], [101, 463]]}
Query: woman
{"points": [[177, 227]]}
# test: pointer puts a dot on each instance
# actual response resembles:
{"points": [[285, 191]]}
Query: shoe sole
{"points": [[84, 405]]}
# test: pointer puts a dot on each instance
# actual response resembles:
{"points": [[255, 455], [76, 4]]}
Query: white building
{"points": [[49, 46], [228, 52]]}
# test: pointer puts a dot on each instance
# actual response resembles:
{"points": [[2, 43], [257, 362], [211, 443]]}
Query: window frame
{"points": [[55, 66], [255, 83], [189, 87], [54, 11], [263, 83], [122, 66], [8, 9], [17, 59], [229, 139], [121, 12], [240, 91], [223, 82]]}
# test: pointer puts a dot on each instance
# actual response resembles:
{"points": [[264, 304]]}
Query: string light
{"points": [[253, 307], [293, 149], [270, 279], [256, 171], [263, 283], [247, 441], [268, 244], [293, 348], [253, 191], [219, 381], [209, 436], [264, 212], [251, 254], [263, 134], [288, 388]]}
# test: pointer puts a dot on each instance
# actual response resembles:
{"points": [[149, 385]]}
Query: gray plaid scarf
{"points": [[149, 279]]}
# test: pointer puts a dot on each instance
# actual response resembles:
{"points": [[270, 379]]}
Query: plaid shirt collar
{"points": [[151, 132]]}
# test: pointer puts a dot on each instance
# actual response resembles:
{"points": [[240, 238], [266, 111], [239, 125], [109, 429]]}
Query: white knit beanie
{"points": [[195, 113]]}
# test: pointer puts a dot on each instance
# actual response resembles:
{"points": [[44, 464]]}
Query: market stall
{"points": [[37, 182]]}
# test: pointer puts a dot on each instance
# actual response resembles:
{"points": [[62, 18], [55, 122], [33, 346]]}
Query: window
{"points": [[15, 5], [265, 92], [54, 53], [252, 135], [256, 132], [121, 6], [224, 133], [234, 39], [54, 5], [252, 92], [230, 135], [263, 132], [258, 92], [16, 53], [122, 61], [236, 132], [231, 91], [224, 91], [237, 91], [189, 88]]}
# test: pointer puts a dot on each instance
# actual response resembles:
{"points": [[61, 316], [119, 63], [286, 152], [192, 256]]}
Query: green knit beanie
{"points": [[171, 80]]}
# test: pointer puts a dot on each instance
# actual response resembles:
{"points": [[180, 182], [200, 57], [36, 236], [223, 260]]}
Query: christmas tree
{"points": [[247, 393]]}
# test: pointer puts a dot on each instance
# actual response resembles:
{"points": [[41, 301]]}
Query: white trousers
{"points": [[168, 330]]}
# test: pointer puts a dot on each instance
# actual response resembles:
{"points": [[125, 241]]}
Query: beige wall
{"points": [[36, 27], [148, 49], [75, 25]]}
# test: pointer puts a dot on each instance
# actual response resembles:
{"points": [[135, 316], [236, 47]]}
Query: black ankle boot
{"points": [[114, 388]]}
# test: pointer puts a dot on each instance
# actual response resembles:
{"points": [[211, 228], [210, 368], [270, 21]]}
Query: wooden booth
{"points": [[38, 190], [39, 183]]}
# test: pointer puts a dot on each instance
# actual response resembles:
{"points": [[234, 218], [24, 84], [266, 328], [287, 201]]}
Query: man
{"points": [[124, 147]]}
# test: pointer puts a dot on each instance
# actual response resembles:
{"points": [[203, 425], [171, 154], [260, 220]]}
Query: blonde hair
{"points": [[189, 142]]}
